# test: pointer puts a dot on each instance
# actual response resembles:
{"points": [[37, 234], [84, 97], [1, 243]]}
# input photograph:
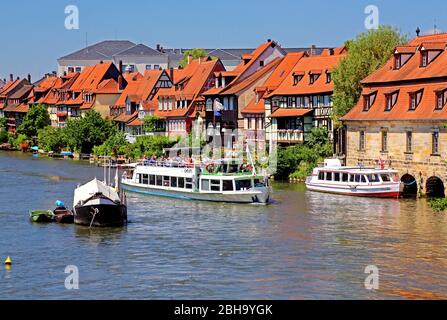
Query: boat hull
{"points": [[106, 215], [39, 216], [383, 191], [260, 195]]}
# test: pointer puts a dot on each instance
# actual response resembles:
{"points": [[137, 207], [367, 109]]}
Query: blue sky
{"points": [[34, 36]]}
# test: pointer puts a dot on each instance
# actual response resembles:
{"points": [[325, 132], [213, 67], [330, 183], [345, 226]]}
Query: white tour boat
{"points": [[355, 181], [218, 181]]}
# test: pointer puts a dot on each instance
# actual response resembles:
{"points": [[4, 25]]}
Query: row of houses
{"points": [[140, 57], [283, 94], [274, 95]]}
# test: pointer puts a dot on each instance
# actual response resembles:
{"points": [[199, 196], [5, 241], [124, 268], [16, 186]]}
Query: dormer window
{"points": [[313, 78], [397, 61], [297, 76], [391, 99], [441, 99], [368, 100], [424, 58], [415, 99], [328, 77]]}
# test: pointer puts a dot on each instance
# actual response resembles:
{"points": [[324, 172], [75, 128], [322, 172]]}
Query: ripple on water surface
{"points": [[305, 245]]}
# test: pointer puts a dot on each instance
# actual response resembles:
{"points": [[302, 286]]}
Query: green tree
{"points": [[366, 53], [115, 145], [87, 132], [194, 53], [3, 124], [151, 123], [151, 145], [35, 119], [52, 139], [298, 161]]}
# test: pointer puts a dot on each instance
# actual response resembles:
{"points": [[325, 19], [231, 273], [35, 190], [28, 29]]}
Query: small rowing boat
{"points": [[41, 216]]}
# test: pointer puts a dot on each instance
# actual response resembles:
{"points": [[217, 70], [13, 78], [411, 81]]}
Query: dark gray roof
{"points": [[139, 50], [101, 50], [317, 50], [231, 54]]}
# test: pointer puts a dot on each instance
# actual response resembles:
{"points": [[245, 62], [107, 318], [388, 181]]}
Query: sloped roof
{"points": [[139, 50], [109, 86], [400, 111], [91, 77], [102, 50], [290, 112], [22, 92], [305, 66], [250, 80], [139, 88], [411, 70], [255, 107]]}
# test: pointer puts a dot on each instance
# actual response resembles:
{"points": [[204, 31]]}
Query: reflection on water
{"points": [[305, 245]]}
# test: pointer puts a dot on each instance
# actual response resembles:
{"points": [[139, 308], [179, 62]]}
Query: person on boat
{"points": [[60, 206]]}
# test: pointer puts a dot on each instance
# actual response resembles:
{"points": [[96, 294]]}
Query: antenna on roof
{"points": [[435, 28], [86, 39]]}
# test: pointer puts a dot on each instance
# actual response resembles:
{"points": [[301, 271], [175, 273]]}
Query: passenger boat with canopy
{"points": [[355, 181], [225, 180]]}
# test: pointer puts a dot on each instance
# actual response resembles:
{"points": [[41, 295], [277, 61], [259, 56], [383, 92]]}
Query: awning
{"points": [[290, 112]]}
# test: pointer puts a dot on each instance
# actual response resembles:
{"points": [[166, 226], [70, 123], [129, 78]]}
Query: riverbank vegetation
{"points": [[88, 134], [298, 161], [439, 204]]}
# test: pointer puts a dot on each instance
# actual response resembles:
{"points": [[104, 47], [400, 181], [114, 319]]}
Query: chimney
{"points": [[120, 65], [269, 40], [101, 62], [29, 78], [331, 51], [18, 78], [418, 31], [120, 83], [11, 77], [158, 47], [313, 50], [171, 74], [189, 58]]}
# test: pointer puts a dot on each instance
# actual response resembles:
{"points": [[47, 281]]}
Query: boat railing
{"points": [[167, 164]]}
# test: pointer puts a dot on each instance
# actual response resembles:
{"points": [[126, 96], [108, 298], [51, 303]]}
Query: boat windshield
{"points": [[373, 178]]}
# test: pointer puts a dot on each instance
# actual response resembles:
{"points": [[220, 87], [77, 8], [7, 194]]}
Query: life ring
{"points": [[210, 167], [245, 167]]}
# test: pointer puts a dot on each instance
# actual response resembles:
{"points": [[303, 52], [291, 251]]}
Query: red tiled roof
{"points": [[91, 77], [195, 79], [132, 76], [412, 70], [410, 78], [400, 111], [240, 86], [290, 112], [306, 65], [88, 105], [139, 88], [135, 123], [123, 117], [109, 86], [254, 107], [22, 108]]}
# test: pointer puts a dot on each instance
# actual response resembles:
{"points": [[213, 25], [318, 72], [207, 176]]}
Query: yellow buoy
{"points": [[8, 261]]}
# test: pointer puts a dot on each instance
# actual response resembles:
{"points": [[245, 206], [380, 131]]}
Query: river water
{"points": [[305, 245]]}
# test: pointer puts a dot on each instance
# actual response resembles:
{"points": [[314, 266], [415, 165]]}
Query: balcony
{"points": [[289, 136]]}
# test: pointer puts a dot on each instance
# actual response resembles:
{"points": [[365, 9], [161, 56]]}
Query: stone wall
{"points": [[420, 163]]}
